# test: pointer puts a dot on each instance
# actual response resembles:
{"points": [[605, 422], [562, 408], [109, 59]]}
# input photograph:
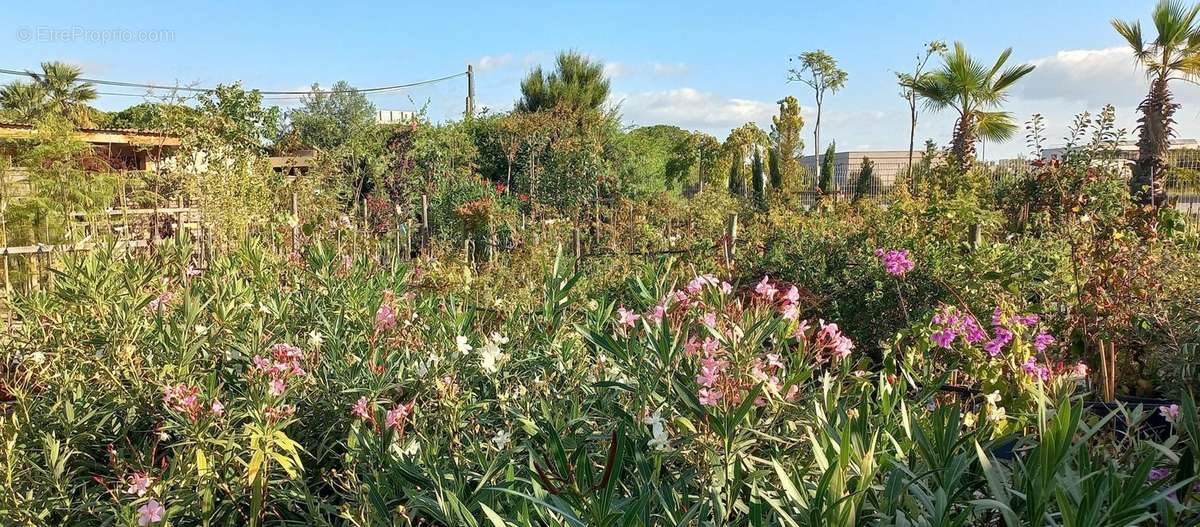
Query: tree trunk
{"points": [[817, 141], [1154, 143], [962, 150], [912, 134]]}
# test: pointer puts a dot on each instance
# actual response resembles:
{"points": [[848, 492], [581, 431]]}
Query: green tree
{"points": [[907, 83], [866, 180], [787, 145], [578, 83], [151, 116], [1173, 54], [972, 89], [773, 168], [819, 71], [827, 169], [329, 119], [22, 101], [736, 185], [758, 179], [57, 89]]}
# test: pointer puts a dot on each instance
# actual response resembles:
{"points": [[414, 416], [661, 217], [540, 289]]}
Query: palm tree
{"points": [[65, 94], [56, 89], [974, 91], [22, 101], [1173, 54]]}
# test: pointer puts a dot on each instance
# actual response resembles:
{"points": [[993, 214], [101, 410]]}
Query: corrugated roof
{"points": [[134, 131]]}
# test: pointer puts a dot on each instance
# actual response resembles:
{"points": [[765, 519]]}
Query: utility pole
{"points": [[470, 91]]}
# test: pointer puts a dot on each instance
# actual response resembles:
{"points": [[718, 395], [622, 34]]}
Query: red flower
{"points": [[500, 187], [523, 197]]}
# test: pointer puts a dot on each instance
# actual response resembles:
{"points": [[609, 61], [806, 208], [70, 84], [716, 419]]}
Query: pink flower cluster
{"points": [[284, 363], [766, 371], [678, 301], [185, 399], [160, 304], [394, 419], [385, 316], [710, 378], [896, 263], [1003, 327], [789, 301], [827, 342]]}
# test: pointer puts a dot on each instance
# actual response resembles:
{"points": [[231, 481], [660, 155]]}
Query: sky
{"points": [[709, 66]]}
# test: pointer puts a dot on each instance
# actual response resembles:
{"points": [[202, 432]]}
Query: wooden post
{"points": [[577, 245], [295, 222], [974, 236], [731, 227], [425, 234], [408, 227], [470, 91]]}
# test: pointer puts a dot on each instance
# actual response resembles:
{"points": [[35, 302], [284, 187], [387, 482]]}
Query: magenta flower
{"points": [[1042, 340], [151, 512], [1158, 473], [896, 263], [943, 338]]}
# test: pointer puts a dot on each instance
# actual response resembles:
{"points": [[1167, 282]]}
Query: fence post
{"points": [[295, 222], [408, 227], [578, 246], [730, 238], [425, 235]]}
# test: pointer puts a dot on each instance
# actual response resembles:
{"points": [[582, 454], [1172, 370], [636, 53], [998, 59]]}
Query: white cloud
{"points": [[691, 109], [661, 69], [492, 62], [613, 70]]}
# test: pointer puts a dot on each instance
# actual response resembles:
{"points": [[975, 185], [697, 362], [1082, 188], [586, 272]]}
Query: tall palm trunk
{"points": [[1154, 142], [962, 149]]}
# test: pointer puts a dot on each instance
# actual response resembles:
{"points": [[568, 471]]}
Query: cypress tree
{"points": [[826, 184], [735, 176], [866, 179], [759, 179], [773, 167]]}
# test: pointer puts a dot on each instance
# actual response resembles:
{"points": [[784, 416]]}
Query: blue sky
{"points": [[707, 66]]}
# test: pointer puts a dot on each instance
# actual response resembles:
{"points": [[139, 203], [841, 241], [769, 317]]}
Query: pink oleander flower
{"points": [[801, 330], [1170, 412], [658, 313], [139, 483], [765, 290], [830, 338], [361, 409], [709, 397], [159, 305], [183, 399], [278, 386], [151, 512], [626, 317], [397, 416], [192, 271], [385, 318], [217, 408], [1081, 370], [709, 319], [896, 263]]}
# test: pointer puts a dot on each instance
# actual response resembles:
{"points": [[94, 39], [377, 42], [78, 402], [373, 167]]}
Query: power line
{"points": [[194, 89]]}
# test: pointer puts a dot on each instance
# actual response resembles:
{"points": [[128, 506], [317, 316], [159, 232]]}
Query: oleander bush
{"points": [[335, 387]]}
